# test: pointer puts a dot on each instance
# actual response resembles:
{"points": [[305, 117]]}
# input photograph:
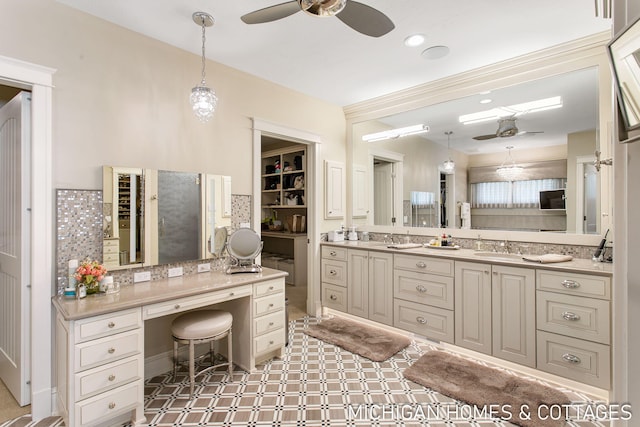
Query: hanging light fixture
{"points": [[509, 170], [203, 99], [449, 165]]}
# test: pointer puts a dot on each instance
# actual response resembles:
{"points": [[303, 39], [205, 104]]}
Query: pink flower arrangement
{"points": [[90, 273]]}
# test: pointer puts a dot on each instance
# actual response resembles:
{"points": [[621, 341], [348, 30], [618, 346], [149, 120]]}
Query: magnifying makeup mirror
{"points": [[243, 246]]}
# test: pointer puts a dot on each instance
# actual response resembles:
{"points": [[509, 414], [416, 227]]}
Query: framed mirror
{"points": [[624, 54]]}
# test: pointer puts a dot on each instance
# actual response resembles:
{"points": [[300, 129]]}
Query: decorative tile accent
{"points": [[241, 208]]}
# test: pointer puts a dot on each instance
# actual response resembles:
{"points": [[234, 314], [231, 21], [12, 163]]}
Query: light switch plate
{"points": [[204, 267], [175, 272], [143, 276]]}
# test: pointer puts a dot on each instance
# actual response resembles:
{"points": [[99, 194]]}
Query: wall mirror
{"points": [[160, 217], [553, 126], [624, 52]]}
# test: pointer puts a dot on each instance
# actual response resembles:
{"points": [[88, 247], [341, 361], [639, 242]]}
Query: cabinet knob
{"points": [[270, 342], [571, 358], [332, 297], [421, 320], [570, 284], [567, 315], [177, 306], [111, 324], [421, 288], [111, 350], [270, 288], [112, 405], [231, 294], [270, 305], [270, 323], [333, 272], [112, 377], [333, 253], [421, 264]]}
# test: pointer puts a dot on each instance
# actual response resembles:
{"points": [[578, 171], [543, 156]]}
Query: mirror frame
{"points": [[583, 53]]}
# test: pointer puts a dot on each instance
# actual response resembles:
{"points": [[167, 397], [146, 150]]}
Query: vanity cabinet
{"points": [[495, 311], [574, 326], [423, 295], [369, 294], [333, 266], [100, 367], [269, 328]]}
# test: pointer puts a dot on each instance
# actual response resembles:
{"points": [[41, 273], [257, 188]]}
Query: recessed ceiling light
{"points": [[486, 101], [414, 40], [435, 52]]}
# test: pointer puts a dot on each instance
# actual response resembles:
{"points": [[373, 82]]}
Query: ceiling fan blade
{"points": [[484, 137], [271, 13], [365, 19]]}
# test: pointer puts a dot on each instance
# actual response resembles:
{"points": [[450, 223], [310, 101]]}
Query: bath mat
{"points": [[373, 343], [482, 386]]}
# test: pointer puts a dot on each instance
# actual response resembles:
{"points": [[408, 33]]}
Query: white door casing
{"points": [[15, 229]]}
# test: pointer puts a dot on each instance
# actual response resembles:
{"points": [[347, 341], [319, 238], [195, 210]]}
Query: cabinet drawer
{"points": [[431, 322], [334, 297], [334, 272], [188, 303], [108, 324], [332, 252], [574, 284], [110, 258], [268, 342], [108, 349], [101, 379], [268, 288], [579, 317], [579, 360], [110, 404], [268, 323], [110, 246], [268, 304], [423, 288], [423, 264]]}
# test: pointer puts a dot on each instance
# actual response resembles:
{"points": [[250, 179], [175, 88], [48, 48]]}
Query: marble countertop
{"points": [[144, 293], [576, 265]]}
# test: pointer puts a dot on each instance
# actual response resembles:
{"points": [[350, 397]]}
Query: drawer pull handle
{"points": [[571, 358], [421, 289], [111, 325], [567, 315], [270, 342], [112, 377], [270, 288], [111, 350], [421, 320], [232, 294], [332, 297], [270, 323], [421, 264], [177, 306], [570, 284], [112, 405], [270, 305], [333, 272], [333, 253]]}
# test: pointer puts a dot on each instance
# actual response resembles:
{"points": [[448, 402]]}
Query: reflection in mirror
{"points": [[172, 218], [624, 52], [554, 144]]}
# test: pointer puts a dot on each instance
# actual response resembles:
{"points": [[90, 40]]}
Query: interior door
{"points": [[15, 229], [590, 209], [383, 194]]}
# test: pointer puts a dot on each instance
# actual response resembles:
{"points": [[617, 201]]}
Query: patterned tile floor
{"points": [[315, 384]]}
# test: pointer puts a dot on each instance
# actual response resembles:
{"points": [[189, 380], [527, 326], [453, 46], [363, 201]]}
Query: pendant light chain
{"points": [[204, 39]]}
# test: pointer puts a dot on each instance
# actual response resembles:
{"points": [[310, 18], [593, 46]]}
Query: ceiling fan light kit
{"points": [[203, 99], [322, 8], [509, 170]]}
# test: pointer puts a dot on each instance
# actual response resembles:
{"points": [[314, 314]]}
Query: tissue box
{"points": [[336, 236]]}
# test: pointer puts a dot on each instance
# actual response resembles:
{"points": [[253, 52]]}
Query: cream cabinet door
{"points": [[334, 190], [358, 282], [514, 314], [381, 287], [473, 306], [360, 192]]}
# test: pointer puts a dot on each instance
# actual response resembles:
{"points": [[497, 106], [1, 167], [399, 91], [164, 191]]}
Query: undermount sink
{"points": [[497, 255]]}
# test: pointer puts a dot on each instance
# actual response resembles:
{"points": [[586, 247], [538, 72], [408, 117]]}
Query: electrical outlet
{"points": [[175, 272], [143, 276], [204, 267]]}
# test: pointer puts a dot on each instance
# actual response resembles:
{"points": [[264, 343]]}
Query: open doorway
{"points": [[387, 187]]}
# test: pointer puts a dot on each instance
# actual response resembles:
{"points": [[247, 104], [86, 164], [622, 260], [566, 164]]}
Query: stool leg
{"points": [[175, 359], [230, 353], [212, 352], [191, 368]]}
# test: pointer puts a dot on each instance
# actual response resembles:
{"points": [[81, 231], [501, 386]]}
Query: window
{"points": [[515, 194]]}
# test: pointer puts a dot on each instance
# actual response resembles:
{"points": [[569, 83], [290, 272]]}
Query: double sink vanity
{"points": [[554, 317]]}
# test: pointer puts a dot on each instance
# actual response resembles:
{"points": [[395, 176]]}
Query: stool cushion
{"points": [[201, 324]]}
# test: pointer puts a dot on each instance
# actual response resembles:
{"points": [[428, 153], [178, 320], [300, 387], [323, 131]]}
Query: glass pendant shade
{"points": [[203, 101], [449, 166], [509, 171]]}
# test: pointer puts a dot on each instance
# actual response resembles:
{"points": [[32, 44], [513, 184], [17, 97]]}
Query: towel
{"points": [[547, 258], [404, 245]]}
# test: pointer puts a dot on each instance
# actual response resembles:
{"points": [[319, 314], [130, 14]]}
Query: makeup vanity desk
{"points": [[99, 340]]}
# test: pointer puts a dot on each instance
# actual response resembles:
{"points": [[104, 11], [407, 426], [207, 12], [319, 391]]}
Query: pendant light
{"points": [[203, 99], [449, 165], [509, 170]]}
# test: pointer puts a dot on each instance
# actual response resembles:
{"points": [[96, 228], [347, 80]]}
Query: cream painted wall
{"points": [[122, 99], [578, 144]]}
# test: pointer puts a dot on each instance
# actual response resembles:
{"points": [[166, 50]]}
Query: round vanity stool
{"points": [[198, 327]]}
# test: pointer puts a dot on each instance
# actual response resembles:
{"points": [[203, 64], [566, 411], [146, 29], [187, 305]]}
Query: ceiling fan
{"points": [[506, 128], [360, 17]]}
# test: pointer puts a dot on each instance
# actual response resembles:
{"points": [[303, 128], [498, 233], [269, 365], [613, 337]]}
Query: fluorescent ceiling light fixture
{"points": [[486, 101], [414, 40], [512, 110], [396, 133]]}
